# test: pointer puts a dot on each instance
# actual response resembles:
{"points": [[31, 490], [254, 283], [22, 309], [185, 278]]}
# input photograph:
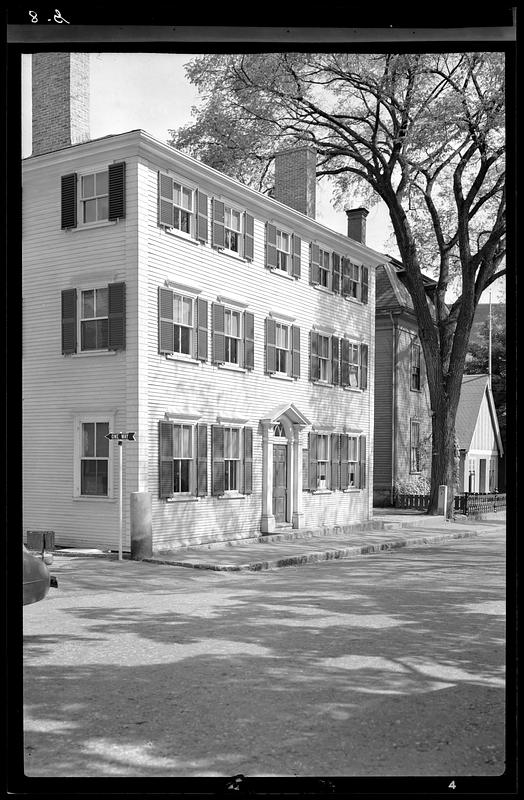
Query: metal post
{"points": [[120, 500]]}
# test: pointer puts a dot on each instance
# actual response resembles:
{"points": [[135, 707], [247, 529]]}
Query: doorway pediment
{"points": [[288, 411]]}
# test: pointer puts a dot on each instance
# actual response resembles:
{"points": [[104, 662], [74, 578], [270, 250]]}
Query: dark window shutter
{"points": [[344, 362], [202, 214], [271, 351], [314, 373], [335, 461], [363, 366], [313, 467], [335, 360], [249, 340], [335, 282], [365, 284], [297, 245], [201, 465], [218, 229], [249, 236], [166, 467], [117, 190], [271, 245], [219, 348], [69, 189], [344, 464], [315, 263], [248, 460], [201, 348], [295, 354], [362, 462], [116, 339], [217, 455], [68, 321], [305, 470], [165, 199], [346, 273], [166, 333]]}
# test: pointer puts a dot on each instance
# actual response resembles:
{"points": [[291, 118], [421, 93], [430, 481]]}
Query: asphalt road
{"points": [[383, 665]]}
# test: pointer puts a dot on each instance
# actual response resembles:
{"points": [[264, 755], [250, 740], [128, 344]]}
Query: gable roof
{"points": [[474, 387], [390, 289]]}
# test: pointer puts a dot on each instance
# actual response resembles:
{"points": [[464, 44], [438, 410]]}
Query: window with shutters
{"points": [[352, 462], [282, 349], [183, 325], [182, 458], [94, 319], [232, 336], [93, 456], [94, 193], [232, 457], [415, 366], [324, 269], [176, 205], [354, 365], [355, 280], [232, 229], [283, 250]]}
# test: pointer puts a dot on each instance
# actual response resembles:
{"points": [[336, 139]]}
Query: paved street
{"points": [[383, 665]]}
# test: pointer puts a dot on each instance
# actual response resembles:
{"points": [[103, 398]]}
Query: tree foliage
{"points": [[422, 132]]}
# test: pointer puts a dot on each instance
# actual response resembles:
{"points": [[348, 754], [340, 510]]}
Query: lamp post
{"points": [[120, 437]]}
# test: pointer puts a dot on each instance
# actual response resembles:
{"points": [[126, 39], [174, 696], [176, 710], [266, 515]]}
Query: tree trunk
{"points": [[443, 455]]}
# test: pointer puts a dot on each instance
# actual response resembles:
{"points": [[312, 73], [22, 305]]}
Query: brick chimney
{"points": [[295, 178], [60, 97], [357, 223]]}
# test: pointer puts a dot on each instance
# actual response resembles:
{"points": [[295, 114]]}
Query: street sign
{"points": [[130, 437]]}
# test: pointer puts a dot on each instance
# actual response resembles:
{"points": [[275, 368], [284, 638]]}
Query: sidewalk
{"points": [[390, 531]]}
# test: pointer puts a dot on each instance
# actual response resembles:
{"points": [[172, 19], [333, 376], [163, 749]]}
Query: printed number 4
{"points": [[452, 785]]}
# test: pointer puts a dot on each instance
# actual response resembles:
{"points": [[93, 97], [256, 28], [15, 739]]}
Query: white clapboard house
{"points": [[230, 331]]}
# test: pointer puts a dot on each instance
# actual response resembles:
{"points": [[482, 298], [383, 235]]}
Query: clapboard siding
{"points": [[139, 385], [383, 404]]}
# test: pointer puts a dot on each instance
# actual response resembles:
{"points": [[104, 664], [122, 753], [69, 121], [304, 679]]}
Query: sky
{"points": [[128, 91]]}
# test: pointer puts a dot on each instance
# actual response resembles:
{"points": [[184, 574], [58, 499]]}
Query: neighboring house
{"points": [[478, 436], [231, 332], [402, 451]]}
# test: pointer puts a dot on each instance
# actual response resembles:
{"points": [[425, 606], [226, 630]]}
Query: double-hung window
{"points": [[95, 197], [322, 460], [94, 319], [354, 280], [352, 455], [232, 335], [283, 250], [415, 366], [183, 324], [324, 268], [182, 451], [281, 347], [354, 365], [231, 459], [320, 345], [414, 460], [93, 462], [232, 229], [176, 204], [182, 458]]}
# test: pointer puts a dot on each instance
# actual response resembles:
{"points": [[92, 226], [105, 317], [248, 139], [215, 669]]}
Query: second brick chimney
{"points": [[60, 99], [295, 179], [357, 223]]}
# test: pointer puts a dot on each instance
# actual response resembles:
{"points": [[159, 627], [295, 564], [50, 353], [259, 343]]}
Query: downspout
{"points": [[394, 408]]}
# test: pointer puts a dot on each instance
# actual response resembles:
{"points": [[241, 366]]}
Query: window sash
{"points": [[182, 475], [415, 447], [94, 195], [94, 459], [94, 319]]}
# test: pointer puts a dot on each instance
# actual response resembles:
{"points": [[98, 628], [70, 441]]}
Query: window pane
{"points": [[322, 448], [227, 442], [101, 183], [101, 334], [186, 441], [187, 199], [88, 337], [90, 211], [102, 302], [235, 220], [177, 193], [184, 345], [102, 208], [88, 186], [235, 443], [88, 438], [88, 304], [181, 472], [102, 444], [93, 477], [187, 305]]}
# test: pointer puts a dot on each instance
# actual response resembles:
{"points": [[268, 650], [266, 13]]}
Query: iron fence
{"points": [[469, 503]]}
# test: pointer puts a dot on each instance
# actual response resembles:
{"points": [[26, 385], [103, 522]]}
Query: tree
{"points": [[422, 132], [477, 362]]}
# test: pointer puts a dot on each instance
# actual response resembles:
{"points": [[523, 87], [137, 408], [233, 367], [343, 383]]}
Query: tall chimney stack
{"points": [[60, 97], [295, 179], [357, 223]]}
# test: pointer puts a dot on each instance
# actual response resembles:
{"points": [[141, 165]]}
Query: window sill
{"points": [[280, 376], [231, 254], [186, 237], [93, 498], [232, 367], [231, 496], [87, 353], [353, 300], [185, 498], [322, 383], [323, 289], [354, 389], [322, 491], [89, 226], [181, 358], [352, 490], [282, 274]]}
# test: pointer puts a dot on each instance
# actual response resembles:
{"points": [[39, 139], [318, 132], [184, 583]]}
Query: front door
{"points": [[279, 482], [482, 475]]}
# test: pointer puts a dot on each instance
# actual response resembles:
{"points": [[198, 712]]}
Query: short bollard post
{"points": [[141, 525], [443, 500]]}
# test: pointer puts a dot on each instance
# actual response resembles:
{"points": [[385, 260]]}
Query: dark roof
{"points": [[390, 289]]}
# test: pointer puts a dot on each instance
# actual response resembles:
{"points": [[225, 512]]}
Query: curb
{"points": [[317, 555]]}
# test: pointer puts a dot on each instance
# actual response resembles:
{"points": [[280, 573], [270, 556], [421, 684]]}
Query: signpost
{"points": [[120, 437]]}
